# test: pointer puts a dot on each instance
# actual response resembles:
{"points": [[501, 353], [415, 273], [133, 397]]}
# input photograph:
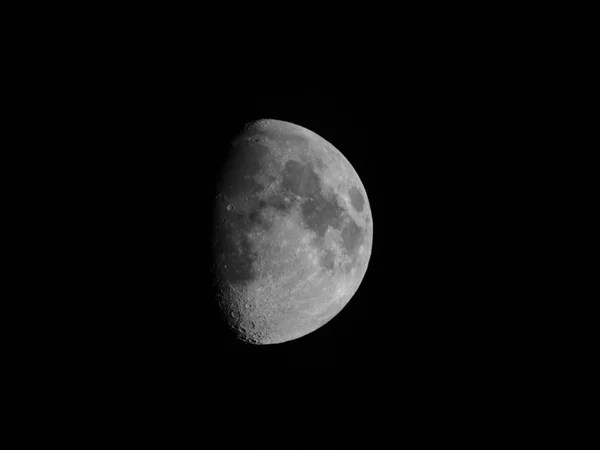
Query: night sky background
{"points": [[379, 368]]}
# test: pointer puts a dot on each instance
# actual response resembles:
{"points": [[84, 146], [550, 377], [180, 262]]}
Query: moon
{"points": [[292, 233]]}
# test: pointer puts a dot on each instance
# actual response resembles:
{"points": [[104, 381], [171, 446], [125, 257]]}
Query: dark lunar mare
{"points": [[328, 261], [356, 199], [300, 179], [352, 237], [278, 202], [319, 211]]}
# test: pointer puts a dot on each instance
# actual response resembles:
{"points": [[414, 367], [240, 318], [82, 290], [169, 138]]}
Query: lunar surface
{"points": [[292, 233]]}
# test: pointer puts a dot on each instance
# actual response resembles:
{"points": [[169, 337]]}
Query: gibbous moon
{"points": [[292, 233]]}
